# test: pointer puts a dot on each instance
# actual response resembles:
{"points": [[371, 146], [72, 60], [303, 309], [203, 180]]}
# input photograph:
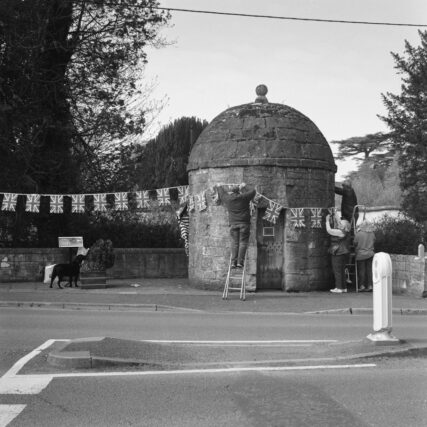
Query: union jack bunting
{"points": [[252, 207], [9, 202], [32, 203], [272, 212], [183, 193], [121, 201], [297, 217], [257, 198], [163, 196], [100, 202], [201, 201], [77, 203], [191, 204], [56, 203], [316, 217], [142, 199]]}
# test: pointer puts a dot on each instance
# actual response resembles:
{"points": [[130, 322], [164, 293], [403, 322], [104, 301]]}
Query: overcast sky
{"points": [[333, 73]]}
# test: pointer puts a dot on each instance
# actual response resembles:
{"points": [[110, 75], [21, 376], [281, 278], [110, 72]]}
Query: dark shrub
{"points": [[398, 235]]}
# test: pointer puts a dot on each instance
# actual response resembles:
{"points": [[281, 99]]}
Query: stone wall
{"points": [[27, 264], [409, 274], [306, 261]]}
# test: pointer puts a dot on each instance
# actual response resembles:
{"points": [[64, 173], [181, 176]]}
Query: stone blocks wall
{"points": [[306, 263], [409, 274], [27, 264]]}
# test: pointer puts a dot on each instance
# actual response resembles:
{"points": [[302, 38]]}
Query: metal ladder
{"points": [[235, 274], [351, 266]]}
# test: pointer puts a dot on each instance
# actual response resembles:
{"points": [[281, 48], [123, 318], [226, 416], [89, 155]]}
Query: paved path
{"points": [[165, 294]]}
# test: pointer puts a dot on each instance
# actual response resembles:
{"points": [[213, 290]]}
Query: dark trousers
{"points": [[239, 242], [364, 272], [338, 267]]}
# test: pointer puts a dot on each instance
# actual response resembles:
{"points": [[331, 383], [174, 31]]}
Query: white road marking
{"points": [[21, 362], [9, 412], [240, 342], [204, 371], [10, 383], [24, 384]]}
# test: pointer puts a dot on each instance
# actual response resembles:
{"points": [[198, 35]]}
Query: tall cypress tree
{"points": [[407, 119]]}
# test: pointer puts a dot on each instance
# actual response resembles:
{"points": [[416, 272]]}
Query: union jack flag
{"points": [[257, 198], [191, 203], [142, 199], [272, 212], [9, 202], [56, 203], [316, 217], [100, 202], [121, 201], [33, 203], [183, 193], [77, 203], [297, 217], [163, 196], [201, 201]]}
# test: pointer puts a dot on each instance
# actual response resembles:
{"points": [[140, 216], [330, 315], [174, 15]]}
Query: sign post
{"points": [[70, 242], [382, 296]]}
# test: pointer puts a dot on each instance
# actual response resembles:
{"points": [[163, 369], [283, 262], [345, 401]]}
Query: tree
{"points": [[162, 162], [364, 145], [407, 119], [69, 71], [377, 185]]}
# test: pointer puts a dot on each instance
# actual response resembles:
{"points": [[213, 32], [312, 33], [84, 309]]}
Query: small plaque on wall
{"points": [[268, 231]]}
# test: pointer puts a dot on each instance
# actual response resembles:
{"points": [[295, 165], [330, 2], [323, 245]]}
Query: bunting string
{"points": [[144, 200]]}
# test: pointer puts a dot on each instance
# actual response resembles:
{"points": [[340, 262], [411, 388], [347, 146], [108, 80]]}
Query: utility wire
{"points": [[289, 18]]}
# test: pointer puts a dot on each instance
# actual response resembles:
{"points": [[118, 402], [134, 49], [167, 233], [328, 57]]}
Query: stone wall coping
{"points": [[127, 250]]}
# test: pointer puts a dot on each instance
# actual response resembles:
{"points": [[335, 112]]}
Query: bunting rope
{"points": [[144, 198]]}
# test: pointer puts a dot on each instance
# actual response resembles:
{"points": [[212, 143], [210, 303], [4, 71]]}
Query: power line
{"points": [[289, 18]]}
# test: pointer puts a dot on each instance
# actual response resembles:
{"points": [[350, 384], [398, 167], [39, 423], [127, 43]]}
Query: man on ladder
{"points": [[237, 199], [348, 203]]}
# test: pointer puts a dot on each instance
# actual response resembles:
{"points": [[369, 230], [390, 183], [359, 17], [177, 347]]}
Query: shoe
{"points": [[369, 289], [239, 265], [338, 291], [362, 289], [233, 265]]}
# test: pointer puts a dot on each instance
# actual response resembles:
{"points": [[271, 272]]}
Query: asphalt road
{"points": [[388, 392]]}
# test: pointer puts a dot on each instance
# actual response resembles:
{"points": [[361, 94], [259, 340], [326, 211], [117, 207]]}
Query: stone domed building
{"points": [[282, 152]]}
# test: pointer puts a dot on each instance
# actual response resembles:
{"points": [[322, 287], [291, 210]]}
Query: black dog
{"points": [[71, 270]]}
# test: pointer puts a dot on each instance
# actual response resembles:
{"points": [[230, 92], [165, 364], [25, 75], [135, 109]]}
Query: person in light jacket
{"points": [[339, 249], [364, 247]]}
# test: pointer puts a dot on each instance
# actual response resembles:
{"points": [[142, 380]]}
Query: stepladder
{"points": [[235, 281], [351, 266]]}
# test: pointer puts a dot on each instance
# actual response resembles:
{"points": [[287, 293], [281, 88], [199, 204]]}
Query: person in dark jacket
{"points": [[237, 200], [339, 249], [348, 201], [364, 247]]}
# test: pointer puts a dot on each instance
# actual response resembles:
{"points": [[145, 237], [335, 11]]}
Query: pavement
{"points": [[177, 295]]}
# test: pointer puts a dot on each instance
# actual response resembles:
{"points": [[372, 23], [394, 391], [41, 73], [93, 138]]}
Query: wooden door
{"points": [[270, 244]]}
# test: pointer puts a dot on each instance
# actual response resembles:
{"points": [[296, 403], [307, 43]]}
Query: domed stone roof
{"points": [[261, 133]]}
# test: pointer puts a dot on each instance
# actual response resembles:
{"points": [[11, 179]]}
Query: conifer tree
{"points": [[407, 119]]}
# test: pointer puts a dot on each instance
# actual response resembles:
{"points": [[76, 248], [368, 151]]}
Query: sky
{"points": [[333, 73]]}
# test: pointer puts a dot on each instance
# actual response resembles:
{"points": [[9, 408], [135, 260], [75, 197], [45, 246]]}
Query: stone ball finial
{"points": [[261, 91]]}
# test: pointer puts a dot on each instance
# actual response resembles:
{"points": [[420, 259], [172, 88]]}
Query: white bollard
{"points": [[382, 296]]}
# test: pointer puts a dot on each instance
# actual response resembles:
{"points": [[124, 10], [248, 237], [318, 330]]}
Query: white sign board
{"points": [[70, 242]]}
